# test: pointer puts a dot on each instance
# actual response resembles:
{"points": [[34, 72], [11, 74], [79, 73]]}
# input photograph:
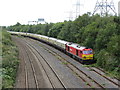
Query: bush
{"points": [[9, 61]]}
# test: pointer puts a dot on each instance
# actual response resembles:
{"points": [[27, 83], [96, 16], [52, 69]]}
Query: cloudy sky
{"points": [[13, 11]]}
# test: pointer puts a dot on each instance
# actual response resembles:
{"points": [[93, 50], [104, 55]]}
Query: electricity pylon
{"points": [[104, 7]]}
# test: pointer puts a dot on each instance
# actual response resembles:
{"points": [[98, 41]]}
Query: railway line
{"points": [[53, 75], [71, 68], [102, 73], [102, 81], [63, 82], [61, 85], [79, 73], [32, 77]]}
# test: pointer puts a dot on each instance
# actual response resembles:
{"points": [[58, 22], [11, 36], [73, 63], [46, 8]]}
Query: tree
{"points": [[55, 30], [65, 32], [17, 24]]}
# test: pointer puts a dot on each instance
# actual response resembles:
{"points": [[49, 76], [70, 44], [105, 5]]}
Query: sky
{"points": [[13, 11]]}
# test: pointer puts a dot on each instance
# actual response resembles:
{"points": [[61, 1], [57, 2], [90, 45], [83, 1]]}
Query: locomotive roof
{"points": [[77, 46]]}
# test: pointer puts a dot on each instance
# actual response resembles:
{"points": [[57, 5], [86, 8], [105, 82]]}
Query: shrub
{"points": [[9, 61]]}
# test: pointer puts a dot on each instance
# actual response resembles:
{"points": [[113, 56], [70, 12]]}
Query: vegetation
{"points": [[9, 60], [100, 33]]}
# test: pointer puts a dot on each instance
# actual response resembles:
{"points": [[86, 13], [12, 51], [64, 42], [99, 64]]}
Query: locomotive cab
{"points": [[87, 54]]}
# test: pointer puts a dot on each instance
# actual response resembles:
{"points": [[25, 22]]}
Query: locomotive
{"points": [[80, 53]]}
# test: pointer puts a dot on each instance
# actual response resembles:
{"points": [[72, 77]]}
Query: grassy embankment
{"points": [[9, 60]]}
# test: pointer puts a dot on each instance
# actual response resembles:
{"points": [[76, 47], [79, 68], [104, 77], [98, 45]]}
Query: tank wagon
{"points": [[80, 53]]}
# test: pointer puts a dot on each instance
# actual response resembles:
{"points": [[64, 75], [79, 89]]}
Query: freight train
{"points": [[80, 53]]}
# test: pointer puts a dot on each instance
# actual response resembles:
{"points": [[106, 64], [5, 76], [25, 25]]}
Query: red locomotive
{"points": [[83, 54]]}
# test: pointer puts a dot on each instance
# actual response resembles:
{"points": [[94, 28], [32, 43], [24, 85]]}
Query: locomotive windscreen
{"points": [[88, 52]]}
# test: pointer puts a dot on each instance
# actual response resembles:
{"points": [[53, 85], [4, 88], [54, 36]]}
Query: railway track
{"points": [[40, 73], [102, 73], [31, 63], [37, 53], [35, 49], [90, 80], [22, 68]]}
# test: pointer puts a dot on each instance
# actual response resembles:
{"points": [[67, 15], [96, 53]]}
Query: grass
{"points": [[9, 60], [65, 63]]}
